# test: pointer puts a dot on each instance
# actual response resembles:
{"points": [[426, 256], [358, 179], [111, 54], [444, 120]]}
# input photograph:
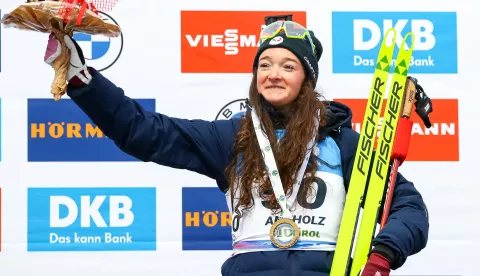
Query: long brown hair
{"points": [[248, 165]]}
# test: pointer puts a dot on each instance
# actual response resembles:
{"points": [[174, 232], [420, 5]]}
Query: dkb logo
{"points": [[357, 37], [91, 219]]}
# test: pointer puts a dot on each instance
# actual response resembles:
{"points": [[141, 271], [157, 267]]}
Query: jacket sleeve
{"points": [[196, 145], [406, 230]]}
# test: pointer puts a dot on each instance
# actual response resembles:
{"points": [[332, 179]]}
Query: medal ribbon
{"points": [[273, 173]]}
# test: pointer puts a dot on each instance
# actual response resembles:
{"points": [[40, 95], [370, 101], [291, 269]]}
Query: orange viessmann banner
{"points": [[224, 41], [437, 143]]}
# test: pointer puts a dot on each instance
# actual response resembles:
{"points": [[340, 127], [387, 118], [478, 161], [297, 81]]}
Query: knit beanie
{"points": [[300, 48]]}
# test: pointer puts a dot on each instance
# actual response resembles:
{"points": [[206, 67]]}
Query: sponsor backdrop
{"points": [[73, 204]]}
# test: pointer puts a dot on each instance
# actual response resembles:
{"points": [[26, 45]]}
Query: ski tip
{"points": [[390, 38], [410, 48]]}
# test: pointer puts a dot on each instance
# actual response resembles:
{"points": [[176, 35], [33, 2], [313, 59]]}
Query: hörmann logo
{"points": [[60, 131], [206, 220], [223, 41], [424, 142], [100, 51], [91, 219], [357, 37]]}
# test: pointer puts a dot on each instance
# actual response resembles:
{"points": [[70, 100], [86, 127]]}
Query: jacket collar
{"points": [[338, 115]]}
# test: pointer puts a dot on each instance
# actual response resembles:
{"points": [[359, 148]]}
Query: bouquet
{"points": [[60, 19]]}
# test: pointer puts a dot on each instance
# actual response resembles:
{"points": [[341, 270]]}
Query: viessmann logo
{"points": [[60, 131], [223, 41], [424, 142]]}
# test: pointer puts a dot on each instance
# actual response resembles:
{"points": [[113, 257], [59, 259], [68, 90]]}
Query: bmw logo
{"points": [[100, 51], [233, 109]]}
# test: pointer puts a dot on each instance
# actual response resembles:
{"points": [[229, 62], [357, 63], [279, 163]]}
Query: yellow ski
{"points": [[363, 157], [381, 161]]}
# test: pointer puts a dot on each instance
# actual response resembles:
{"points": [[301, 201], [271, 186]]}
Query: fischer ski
{"points": [[381, 161], [363, 168], [363, 156]]}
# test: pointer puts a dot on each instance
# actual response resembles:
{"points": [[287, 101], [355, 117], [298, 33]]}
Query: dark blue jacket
{"points": [[205, 147]]}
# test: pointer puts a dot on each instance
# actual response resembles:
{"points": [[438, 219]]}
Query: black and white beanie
{"points": [[299, 47]]}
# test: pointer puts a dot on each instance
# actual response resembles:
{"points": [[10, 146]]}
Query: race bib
{"points": [[318, 214]]}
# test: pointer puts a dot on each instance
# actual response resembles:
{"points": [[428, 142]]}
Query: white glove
{"points": [[78, 67]]}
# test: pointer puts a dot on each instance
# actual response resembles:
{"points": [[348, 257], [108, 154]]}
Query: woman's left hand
{"points": [[377, 265]]}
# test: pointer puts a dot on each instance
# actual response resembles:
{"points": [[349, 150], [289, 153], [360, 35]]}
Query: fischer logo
{"points": [[356, 44], [223, 41], [230, 40], [424, 142]]}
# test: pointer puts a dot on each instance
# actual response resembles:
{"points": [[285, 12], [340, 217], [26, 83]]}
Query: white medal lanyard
{"points": [[273, 173]]}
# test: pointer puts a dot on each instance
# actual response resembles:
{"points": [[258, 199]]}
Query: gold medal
{"points": [[284, 233]]}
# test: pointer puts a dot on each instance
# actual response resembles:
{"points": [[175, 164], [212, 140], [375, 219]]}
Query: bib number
{"points": [[321, 193], [302, 196]]}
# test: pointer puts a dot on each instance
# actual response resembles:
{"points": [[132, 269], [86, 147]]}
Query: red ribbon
{"points": [[66, 12]]}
